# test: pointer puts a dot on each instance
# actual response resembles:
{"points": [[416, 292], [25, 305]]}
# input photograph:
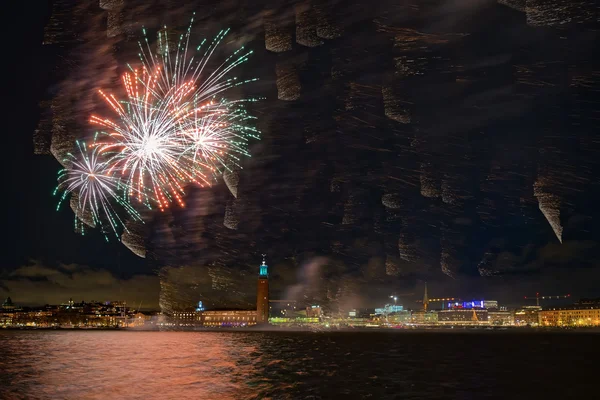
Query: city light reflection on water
{"points": [[287, 365]]}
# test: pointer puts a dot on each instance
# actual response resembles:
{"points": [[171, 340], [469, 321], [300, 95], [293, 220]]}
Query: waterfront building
{"points": [[527, 315], [6, 318], [187, 318], [469, 304], [424, 317], [8, 304], [490, 304], [400, 317], [314, 311], [360, 313], [570, 316], [262, 294], [502, 317], [139, 320], [228, 318], [589, 302], [463, 316], [388, 309]]}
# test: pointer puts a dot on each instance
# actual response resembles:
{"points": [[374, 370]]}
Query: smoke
{"points": [[310, 280]]}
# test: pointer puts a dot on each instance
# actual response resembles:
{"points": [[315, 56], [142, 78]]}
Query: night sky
{"points": [[402, 141]]}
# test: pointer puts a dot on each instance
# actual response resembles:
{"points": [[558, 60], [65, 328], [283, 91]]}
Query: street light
{"points": [[395, 299]]}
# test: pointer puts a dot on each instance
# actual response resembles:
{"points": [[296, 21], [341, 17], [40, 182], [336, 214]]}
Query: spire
{"points": [[425, 298], [263, 273]]}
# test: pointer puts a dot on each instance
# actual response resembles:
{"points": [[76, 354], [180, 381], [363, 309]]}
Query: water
{"points": [[303, 365]]}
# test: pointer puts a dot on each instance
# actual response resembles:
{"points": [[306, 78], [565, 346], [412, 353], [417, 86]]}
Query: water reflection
{"points": [[99, 365], [286, 365]]}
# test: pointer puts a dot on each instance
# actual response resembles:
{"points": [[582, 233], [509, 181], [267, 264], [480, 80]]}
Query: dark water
{"points": [[284, 365]]}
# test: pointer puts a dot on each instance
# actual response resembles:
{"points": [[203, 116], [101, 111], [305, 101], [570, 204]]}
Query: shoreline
{"points": [[442, 329]]}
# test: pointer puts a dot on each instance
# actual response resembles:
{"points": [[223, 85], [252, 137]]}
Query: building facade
{"points": [[527, 316], [570, 317], [501, 318], [463, 316], [228, 318], [424, 317]]}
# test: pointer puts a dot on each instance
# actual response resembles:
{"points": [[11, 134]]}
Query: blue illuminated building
{"points": [[467, 304], [388, 309]]}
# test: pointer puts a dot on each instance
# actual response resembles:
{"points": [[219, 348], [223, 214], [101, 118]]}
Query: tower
{"points": [[262, 294], [425, 298]]}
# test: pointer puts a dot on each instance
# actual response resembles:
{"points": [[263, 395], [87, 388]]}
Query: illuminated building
{"points": [[468, 304], [314, 311], [139, 320], [6, 318], [589, 302], [501, 318], [400, 317], [262, 294], [186, 318], [572, 316], [8, 304], [424, 317], [527, 315], [463, 316], [228, 318], [388, 309], [490, 304]]}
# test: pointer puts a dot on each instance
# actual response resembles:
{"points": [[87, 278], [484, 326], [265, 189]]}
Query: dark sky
{"points": [[402, 142]]}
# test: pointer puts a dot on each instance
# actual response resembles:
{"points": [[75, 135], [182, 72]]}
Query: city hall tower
{"points": [[262, 294]]}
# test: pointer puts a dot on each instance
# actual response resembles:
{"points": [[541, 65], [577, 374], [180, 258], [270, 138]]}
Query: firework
{"points": [[172, 130], [95, 189]]}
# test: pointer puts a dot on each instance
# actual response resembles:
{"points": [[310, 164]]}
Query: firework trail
{"points": [[172, 130], [88, 179]]}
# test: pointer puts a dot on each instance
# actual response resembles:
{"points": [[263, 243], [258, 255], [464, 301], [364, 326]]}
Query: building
{"points": [[501, 317], [388, 309], [8, 304], [314, 311], [527, 315], [490, 304], [228, 318], [468, 304], [262, 294], [186, 318], [570, 316], [399, 317], [463, 316], [424, 317], [588, 302]]}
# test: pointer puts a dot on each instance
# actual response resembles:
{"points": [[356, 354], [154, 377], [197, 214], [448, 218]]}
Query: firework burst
{"points": [[172, 129], [95, 188]]}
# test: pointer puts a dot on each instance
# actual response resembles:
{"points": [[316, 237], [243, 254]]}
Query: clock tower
{"points": [[262, 294]]}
